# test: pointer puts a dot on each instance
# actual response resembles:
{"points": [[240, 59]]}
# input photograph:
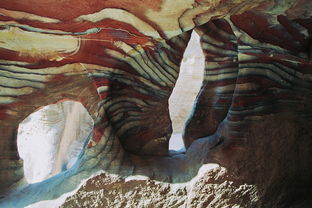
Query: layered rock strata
{"points": [[121, 61]]}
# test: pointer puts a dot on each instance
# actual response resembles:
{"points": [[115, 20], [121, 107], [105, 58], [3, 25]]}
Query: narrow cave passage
{"points": [[50, 140], [185, 91]]}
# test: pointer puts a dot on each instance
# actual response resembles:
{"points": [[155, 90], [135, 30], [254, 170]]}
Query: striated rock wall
{"points": [[121, 61]]}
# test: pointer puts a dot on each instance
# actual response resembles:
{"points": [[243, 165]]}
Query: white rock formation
{"points": [[50, 139], [186, 89]]}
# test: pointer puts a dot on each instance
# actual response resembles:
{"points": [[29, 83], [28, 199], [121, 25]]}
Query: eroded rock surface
{"points": [[270, 177], [121, 60], [210, 188]]}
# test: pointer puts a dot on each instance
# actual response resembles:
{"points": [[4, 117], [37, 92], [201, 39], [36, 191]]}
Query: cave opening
{"points": [[51, 139], [185, 91]]}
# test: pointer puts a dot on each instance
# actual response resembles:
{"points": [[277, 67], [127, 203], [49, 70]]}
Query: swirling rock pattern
{"points": [[121, 59]]}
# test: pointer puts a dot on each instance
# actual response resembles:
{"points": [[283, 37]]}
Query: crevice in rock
{"points": [[186, 89]]}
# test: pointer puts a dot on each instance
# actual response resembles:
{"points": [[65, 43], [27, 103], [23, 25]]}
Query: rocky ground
{"points": [[210, 188]]}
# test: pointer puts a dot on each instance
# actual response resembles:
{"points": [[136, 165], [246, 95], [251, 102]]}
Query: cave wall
{"points": [[121, 61]]}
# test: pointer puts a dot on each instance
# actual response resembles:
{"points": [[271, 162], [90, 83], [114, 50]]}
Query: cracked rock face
{"points": [[121, 60]]}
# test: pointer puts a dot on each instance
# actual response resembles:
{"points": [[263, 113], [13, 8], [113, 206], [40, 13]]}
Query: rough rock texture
{"points": [[121, 60], [211, 187]]}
